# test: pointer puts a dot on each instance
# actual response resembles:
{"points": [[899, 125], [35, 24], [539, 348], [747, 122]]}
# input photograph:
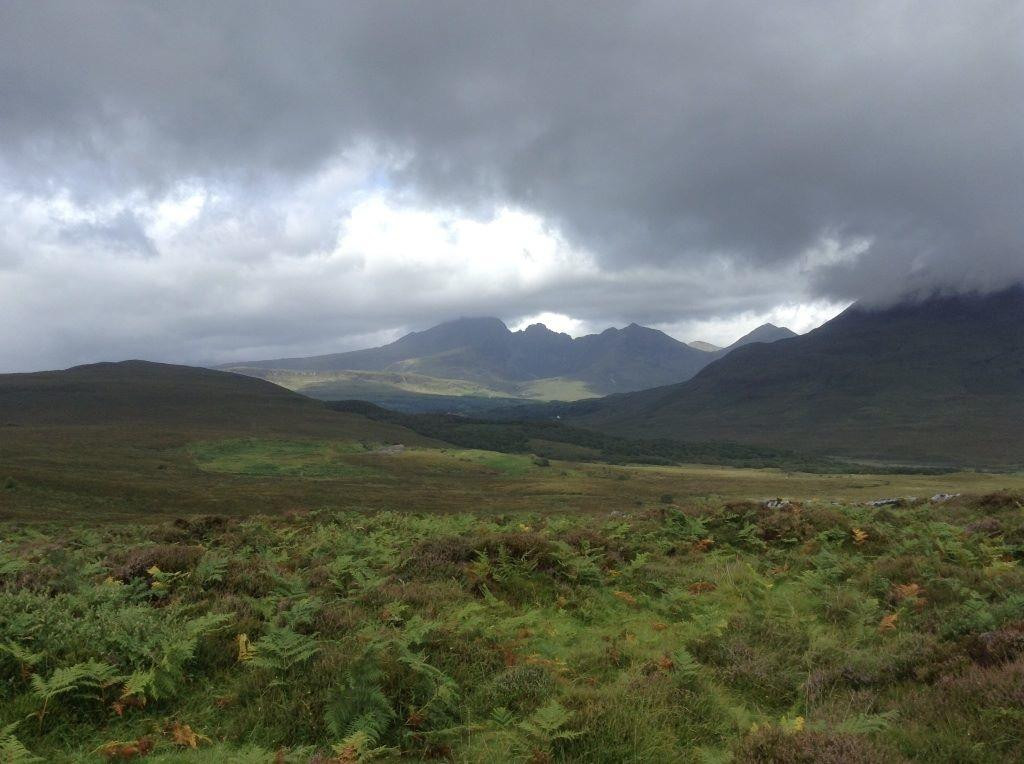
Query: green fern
{"points": [[749, 536], [360, 747], [685, 664], [361, 709], [80, 679], [164, 678], [481, 569], [287, 585], [547, 723], [363, 706], [864, 724], [535, 736], [281, 649], [11, 749], [508, 567], [211, 569], [301, 612], [22, 656], [581, 566], [635, 566], [503, 717], [684, 526], [352, 576], [11, 566]]}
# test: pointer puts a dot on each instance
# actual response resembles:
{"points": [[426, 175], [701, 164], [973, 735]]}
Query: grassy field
{"points": [[226, 592], [121, 474], [270, 598], [698, 630], [295, 458], [358, 384], [419, 392], [556, 389]]}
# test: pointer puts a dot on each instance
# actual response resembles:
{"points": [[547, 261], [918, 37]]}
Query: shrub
{"points": [[1000, 646], [773, 745], [1000, 500], [170, 558], [438, 558]]}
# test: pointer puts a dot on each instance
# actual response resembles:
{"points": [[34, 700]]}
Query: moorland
{"points": [[199, 566]]}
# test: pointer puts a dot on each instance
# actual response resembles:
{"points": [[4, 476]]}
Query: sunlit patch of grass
{"points": [[557, 389], [275, 458], [506, 464]]}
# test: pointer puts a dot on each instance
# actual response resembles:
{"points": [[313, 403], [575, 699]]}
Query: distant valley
{"points": [[473, 364]]}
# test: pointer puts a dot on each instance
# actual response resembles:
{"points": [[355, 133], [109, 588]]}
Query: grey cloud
{"points": [[659, 130], [123, 233], [8, 257], [650, 133]]}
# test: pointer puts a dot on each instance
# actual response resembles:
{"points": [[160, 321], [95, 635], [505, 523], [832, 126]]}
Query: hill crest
{"points": [[172, 398]]}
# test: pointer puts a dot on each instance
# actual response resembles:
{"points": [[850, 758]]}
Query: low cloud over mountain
{"points": [[214, 181]]}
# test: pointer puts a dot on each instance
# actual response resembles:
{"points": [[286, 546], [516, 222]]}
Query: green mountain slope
{"points": [[936, 381], [140, 396]]}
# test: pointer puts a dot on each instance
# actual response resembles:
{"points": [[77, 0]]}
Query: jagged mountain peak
{"points": [[483, 350]]}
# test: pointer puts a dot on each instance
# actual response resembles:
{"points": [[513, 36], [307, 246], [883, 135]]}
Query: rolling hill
{"points": [[482, 358], [937, 381], [120, 439], [140, 396]]}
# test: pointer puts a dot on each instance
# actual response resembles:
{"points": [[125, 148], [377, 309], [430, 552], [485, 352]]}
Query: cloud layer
{"points": [[193, 180]]}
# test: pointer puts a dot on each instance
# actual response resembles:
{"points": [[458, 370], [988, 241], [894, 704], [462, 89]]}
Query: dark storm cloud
{"points": [[658, 133]]}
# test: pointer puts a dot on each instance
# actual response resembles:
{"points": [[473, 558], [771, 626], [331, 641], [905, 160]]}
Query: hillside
{"points": [[112, 438], [481, 357], [940, 380], [143, 395]]}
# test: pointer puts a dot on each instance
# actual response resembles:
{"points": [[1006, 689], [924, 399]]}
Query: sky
{"points": [[211, 182]]}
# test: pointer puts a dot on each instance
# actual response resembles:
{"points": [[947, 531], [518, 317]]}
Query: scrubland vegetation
{"points": [[202, 567], [696, 630]]}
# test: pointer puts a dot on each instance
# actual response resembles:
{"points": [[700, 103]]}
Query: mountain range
{"points": [[930, 382], [939, 380], [481, 357]]}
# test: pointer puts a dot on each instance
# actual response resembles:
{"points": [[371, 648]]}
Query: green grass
{"points": [[122, 474], [556, 389], [334, 385], [286, 590], [271, 458], [513, 465], [699, 631], [419, 391]]}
